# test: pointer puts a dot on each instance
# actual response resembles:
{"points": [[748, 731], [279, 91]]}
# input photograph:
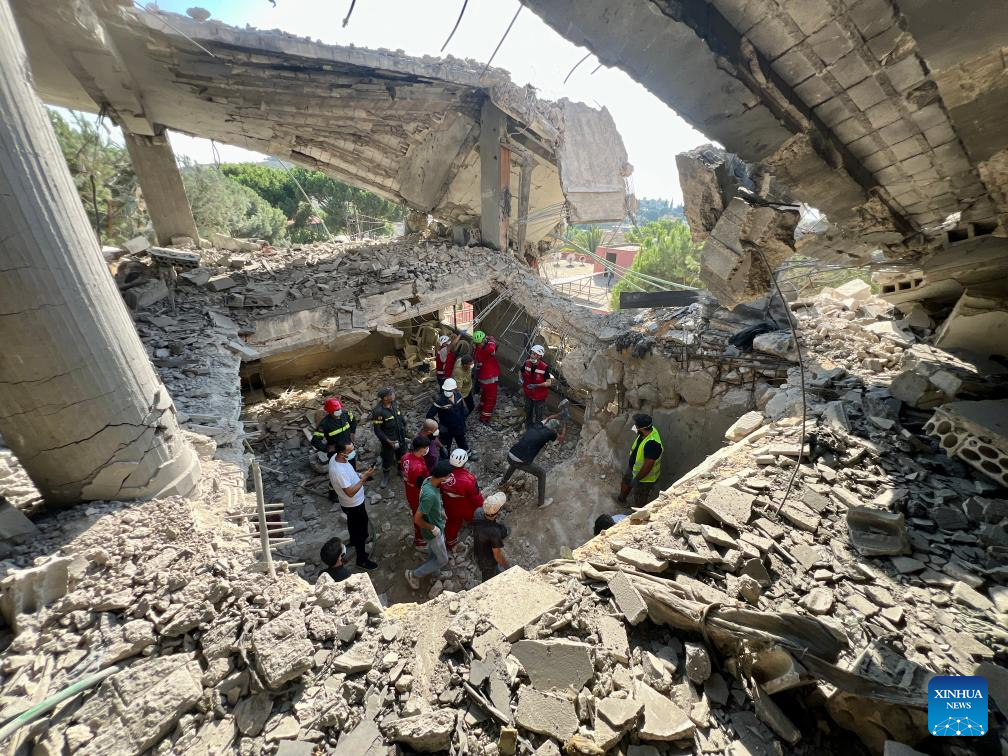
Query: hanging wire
{"points": [[307, 198], [155, 11], [594, 70], [346, 19], [570, 73], [457, 22], [506, 32]]}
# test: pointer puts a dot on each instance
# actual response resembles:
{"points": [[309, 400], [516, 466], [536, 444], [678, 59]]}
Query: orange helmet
{"points": [[333, 405]]}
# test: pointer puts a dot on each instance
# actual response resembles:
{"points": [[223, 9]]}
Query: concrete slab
{"points": [[555, 663], [514, 599], [546, 714]]}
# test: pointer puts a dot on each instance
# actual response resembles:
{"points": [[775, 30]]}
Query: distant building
{"points": [[623, 257]]}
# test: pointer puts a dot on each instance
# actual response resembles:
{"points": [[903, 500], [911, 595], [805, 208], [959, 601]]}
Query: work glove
{"points": [[435, 532]]}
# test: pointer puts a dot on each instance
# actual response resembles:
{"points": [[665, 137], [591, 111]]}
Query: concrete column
{"points": [[80, 403], [495, 177], [161, 184]]}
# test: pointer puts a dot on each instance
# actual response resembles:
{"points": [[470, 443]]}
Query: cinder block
{"points": [[793, 66], [834, 111], [872, 17], [882, 114], [896, 132], [771, 38], [866, 93], [850, 130], [850, 69], [28, 590], [831, 43], [906, 73], [814, 91]]}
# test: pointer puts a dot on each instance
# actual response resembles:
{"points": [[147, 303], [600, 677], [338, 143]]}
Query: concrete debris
{"points": [[977, 433], [146, 294], [977, 325], [546, 714], [555, 663], [874, 532], [428, 732]]}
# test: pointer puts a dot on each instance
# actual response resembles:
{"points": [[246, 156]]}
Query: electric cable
{"points": [[506, 32], [457, 22]]}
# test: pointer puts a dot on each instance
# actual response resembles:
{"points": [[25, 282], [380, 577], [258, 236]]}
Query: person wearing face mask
{"points": [[435, 449], [349, 487], [644, 465], [451, 414], [338, 426], [387, 420], [535, 381], [444, 358]]}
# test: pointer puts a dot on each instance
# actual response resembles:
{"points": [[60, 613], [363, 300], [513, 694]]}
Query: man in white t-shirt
{"points": [[349, 488]]}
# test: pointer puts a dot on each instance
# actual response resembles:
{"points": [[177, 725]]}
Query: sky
{"points": [[533, 54]]}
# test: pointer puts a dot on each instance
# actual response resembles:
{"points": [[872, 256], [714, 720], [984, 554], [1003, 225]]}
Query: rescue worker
{"points": [[487, 375], [430, 518], [451, 414], [388, 427], [338, 426], [444, 358], [522, 455], [535, 380], [435, 452], [464, 380], [478, 339], [488, 537], [461, 496], [413, 468], [644, 465]]}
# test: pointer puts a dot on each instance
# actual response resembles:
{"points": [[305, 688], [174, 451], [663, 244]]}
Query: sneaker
{"points": [[368, 565], [414, 582], [545, 503]]}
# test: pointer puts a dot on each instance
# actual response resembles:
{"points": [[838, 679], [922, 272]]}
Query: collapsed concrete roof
{"points": [[403, 127], [886, 115]]}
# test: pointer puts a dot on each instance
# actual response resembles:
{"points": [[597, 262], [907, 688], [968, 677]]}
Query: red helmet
{"points": [[491, 346], [333, 405]]}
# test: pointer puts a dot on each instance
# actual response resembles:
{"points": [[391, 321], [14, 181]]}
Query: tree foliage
{"points": [[340, 206], [650, 210], [667, 252], [104, 178], [222, 204]]}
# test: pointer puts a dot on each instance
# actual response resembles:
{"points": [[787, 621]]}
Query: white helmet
{"points": [[450, 384], [459, 457], [494, 502], [443, 340], [537, 349]]}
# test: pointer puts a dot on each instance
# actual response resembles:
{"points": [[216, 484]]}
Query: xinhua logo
{"points": [[957, 706]]}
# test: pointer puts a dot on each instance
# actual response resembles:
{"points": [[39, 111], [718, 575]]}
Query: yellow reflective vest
{"points": [[638, 452]]}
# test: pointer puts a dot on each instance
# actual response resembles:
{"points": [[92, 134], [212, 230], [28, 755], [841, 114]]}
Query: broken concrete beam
{"points": [[514, 599], [146, 294], [557, 663], [875, 532]]}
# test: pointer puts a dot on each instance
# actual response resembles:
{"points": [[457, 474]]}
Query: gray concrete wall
{"points": [[289, 366]]}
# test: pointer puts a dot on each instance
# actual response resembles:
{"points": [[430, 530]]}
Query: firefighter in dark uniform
{"points": [[390, 430], [338, 426]]}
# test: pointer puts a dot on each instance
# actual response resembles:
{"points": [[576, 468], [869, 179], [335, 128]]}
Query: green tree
{"points": [[104, 177], [667, 252], [222, 204], [650, 210], [339, 205]]}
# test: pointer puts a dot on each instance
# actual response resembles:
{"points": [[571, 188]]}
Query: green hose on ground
{"points": [[43, 707]]}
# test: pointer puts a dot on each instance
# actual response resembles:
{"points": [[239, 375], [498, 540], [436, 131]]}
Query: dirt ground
{"points": [[578, 491]]}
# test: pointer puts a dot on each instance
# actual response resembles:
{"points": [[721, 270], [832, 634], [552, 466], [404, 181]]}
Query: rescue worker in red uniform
{"points": [[414, 472], [487, 375], [444, 358], [535, 380], [461, 497]]}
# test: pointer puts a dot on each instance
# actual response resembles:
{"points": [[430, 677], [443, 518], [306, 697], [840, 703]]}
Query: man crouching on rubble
{"points": [[430, 518]]}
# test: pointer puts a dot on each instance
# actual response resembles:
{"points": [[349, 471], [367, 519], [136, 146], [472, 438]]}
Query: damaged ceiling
{"points": [[887, 116], [405, 128]]}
